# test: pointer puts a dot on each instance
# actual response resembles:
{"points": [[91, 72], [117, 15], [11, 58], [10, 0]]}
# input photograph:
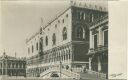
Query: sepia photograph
{"points": [[59, 40]]}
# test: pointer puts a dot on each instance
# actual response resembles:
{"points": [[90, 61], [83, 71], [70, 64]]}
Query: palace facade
{"points": [[12, 66], [63, 41]]}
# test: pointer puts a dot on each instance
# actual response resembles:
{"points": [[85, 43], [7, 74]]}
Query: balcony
{"points": [[99, 21], [100, 49]]}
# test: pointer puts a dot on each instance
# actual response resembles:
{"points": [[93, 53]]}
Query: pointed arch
{"points": [[46, 40], [64, 32], [80, 33], [54, 38]]}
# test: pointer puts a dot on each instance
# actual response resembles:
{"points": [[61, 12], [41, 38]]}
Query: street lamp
{"points": [[60, 66]]}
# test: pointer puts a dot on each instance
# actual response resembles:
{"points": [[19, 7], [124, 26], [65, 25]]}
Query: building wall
{"points": [[61, 50], [82, 18], [13, 67], [80, 51], [57, 27], [33, 41], [98, 52], [51, 53]]}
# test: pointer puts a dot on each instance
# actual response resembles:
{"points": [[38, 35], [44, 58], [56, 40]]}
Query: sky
{"points": [[21, 19]]}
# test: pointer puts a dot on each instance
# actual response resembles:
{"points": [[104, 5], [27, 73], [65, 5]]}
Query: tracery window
{"points": [[28, 50], [37, 46], [95, 41], [80, 33], [54, 39], [63, 20], [106, 38], [91, 17], [41, 43], [8, 65], [16, 65], [78, 15], [82, 15], [66, 15], [46, 40], [23, 65], [56, 26], [32, 48], [64, 33]]}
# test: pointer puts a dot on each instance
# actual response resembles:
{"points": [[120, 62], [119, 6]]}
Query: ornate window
{"points": [[41, 44], [84, 16], [106, 38], [54, 39], [63, 20], [64, 33], [37, 46], [28, 50], [78, 15], [66, 15], [8, 65], [80, 33], [46, 40], [58, 21], [81, 15], [32, 48], [91, 17], [56, 26], [16, 65], [95, 41]]}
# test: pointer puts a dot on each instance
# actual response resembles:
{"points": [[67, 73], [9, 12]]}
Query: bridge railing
{"points": [[68, 73]]}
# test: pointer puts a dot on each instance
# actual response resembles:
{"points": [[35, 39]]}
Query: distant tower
{"points": [[41, 25], [4, 52], [15, 54]]}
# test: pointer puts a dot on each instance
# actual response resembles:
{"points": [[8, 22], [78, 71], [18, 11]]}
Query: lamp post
{"points": [[2, 67], [60, 68]]}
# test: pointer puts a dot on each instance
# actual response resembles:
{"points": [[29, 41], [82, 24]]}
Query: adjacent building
{"points": [[64, 41], [12, 66], [98, 52]]}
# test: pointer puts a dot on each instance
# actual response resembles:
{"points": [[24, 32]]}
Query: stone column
{"points": [[67, 57], [68, 54], [90, 67], [72, 56], [2, 67], [91, 40], [100, 36], [100, 43], [6, 67], [99, 64]]}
